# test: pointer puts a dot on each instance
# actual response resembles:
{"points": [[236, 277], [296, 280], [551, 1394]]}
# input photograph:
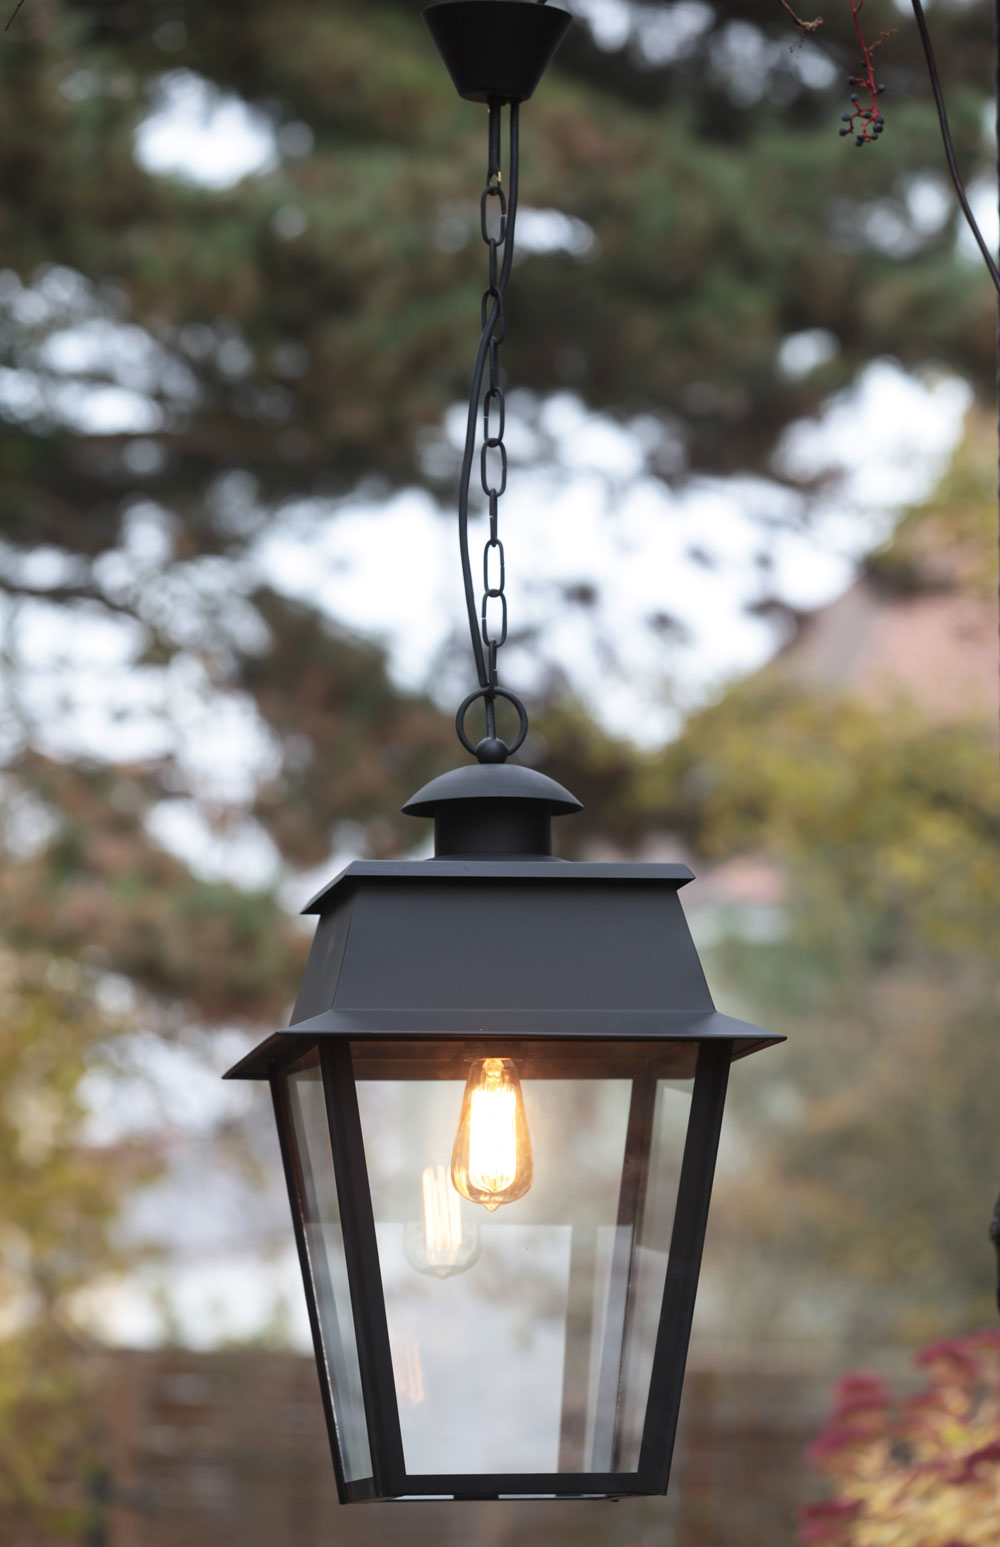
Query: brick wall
{"points": [[229, 1450]]}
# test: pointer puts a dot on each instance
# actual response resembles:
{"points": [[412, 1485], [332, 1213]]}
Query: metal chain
{"points": [[488, 623], [493, 325]]}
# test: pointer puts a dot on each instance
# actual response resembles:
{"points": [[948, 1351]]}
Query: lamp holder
{"points": [[496, 50]]}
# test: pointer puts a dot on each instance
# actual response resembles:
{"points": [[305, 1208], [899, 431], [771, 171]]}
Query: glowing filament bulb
{"points": [[491, 1161]]}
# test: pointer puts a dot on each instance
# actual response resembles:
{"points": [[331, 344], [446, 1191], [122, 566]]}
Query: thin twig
{"points": [[19, 5], [803, 26]]}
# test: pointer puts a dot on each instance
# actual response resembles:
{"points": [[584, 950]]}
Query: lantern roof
{"points": [[494, 937], [535, 869], [492, 781]]}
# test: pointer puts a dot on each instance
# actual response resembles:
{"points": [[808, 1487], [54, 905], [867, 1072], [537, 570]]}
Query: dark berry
{"points": [[854, 96], [845, 118], [843, 131], [860, 140]]}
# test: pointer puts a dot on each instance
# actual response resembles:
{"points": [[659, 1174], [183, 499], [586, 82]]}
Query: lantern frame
{"points": [[596, 959]]}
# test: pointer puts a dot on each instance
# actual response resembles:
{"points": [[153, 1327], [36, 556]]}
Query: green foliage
{"points": [[919, 1471], [60, 1202], [99, 890]]}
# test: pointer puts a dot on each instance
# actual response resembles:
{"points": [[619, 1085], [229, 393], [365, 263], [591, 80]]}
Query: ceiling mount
{"points": [[496, 50]]}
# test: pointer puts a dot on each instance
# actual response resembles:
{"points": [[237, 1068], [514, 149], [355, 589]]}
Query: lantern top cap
{"points": [[492, 781]]}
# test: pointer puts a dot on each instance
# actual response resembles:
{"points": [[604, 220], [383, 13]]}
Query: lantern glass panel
{"points": [[522, 1338], [327, 1264]]}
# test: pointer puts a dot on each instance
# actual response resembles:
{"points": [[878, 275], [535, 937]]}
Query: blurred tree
{"points": [[60, 1202], [306, 328], [876, 1155], [922, 1471]]}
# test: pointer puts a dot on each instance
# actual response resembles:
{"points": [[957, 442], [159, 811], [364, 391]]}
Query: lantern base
{"points": [[496, 50]]}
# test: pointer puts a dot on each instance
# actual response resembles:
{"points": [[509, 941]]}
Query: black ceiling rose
{"points": [[496, 50]]}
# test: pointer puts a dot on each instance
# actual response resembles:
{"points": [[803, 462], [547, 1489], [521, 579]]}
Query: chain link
{"points": [[488, 624], [493, 452]]}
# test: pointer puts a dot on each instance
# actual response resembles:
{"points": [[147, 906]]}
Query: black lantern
{"points": [[500, 1096], [499, 1106]]}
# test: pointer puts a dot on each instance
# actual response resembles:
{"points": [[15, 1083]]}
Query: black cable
{"points": [[475, 394], [949, 151]]}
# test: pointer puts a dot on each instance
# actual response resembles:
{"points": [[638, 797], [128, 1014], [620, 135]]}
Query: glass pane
{"points": [[522, 1333], [649, 1264], [328, 1264]]}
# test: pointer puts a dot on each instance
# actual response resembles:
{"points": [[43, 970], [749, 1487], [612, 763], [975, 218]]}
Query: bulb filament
{"points": [[491, 1162]]}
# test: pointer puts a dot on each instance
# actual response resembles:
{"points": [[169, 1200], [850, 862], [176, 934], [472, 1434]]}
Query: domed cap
{"points": [[492, 809]]}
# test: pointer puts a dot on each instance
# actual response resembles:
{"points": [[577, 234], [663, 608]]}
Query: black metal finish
{"points": [[374, 871], [418, 967], [598, 952], [296, 1197], [491, 783], [684, 1263], [492, 748], [492, 811], [494, 827], [631, 1199], [391, 1480], [496, 49], [524, 1485], [483, 1029], [363, 1271]]}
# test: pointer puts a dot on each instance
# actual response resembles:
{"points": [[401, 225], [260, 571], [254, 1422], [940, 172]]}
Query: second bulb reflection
{"points": [[440, 1244]]}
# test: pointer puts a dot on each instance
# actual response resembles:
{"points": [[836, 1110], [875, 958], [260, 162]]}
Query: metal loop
{"points": [[493, 191], [493, 639], [488, 694], [495, 394], [489, 488], [496, 545]]}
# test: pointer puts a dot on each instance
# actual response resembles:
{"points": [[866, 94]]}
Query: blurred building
{"points": [[925, 638]]}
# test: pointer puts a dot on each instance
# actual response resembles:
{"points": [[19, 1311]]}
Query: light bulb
{"points": [[491, 1161], [439, 1245]]}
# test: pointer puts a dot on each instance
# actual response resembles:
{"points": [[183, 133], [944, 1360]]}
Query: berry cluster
{"points": [[865, 123]]}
